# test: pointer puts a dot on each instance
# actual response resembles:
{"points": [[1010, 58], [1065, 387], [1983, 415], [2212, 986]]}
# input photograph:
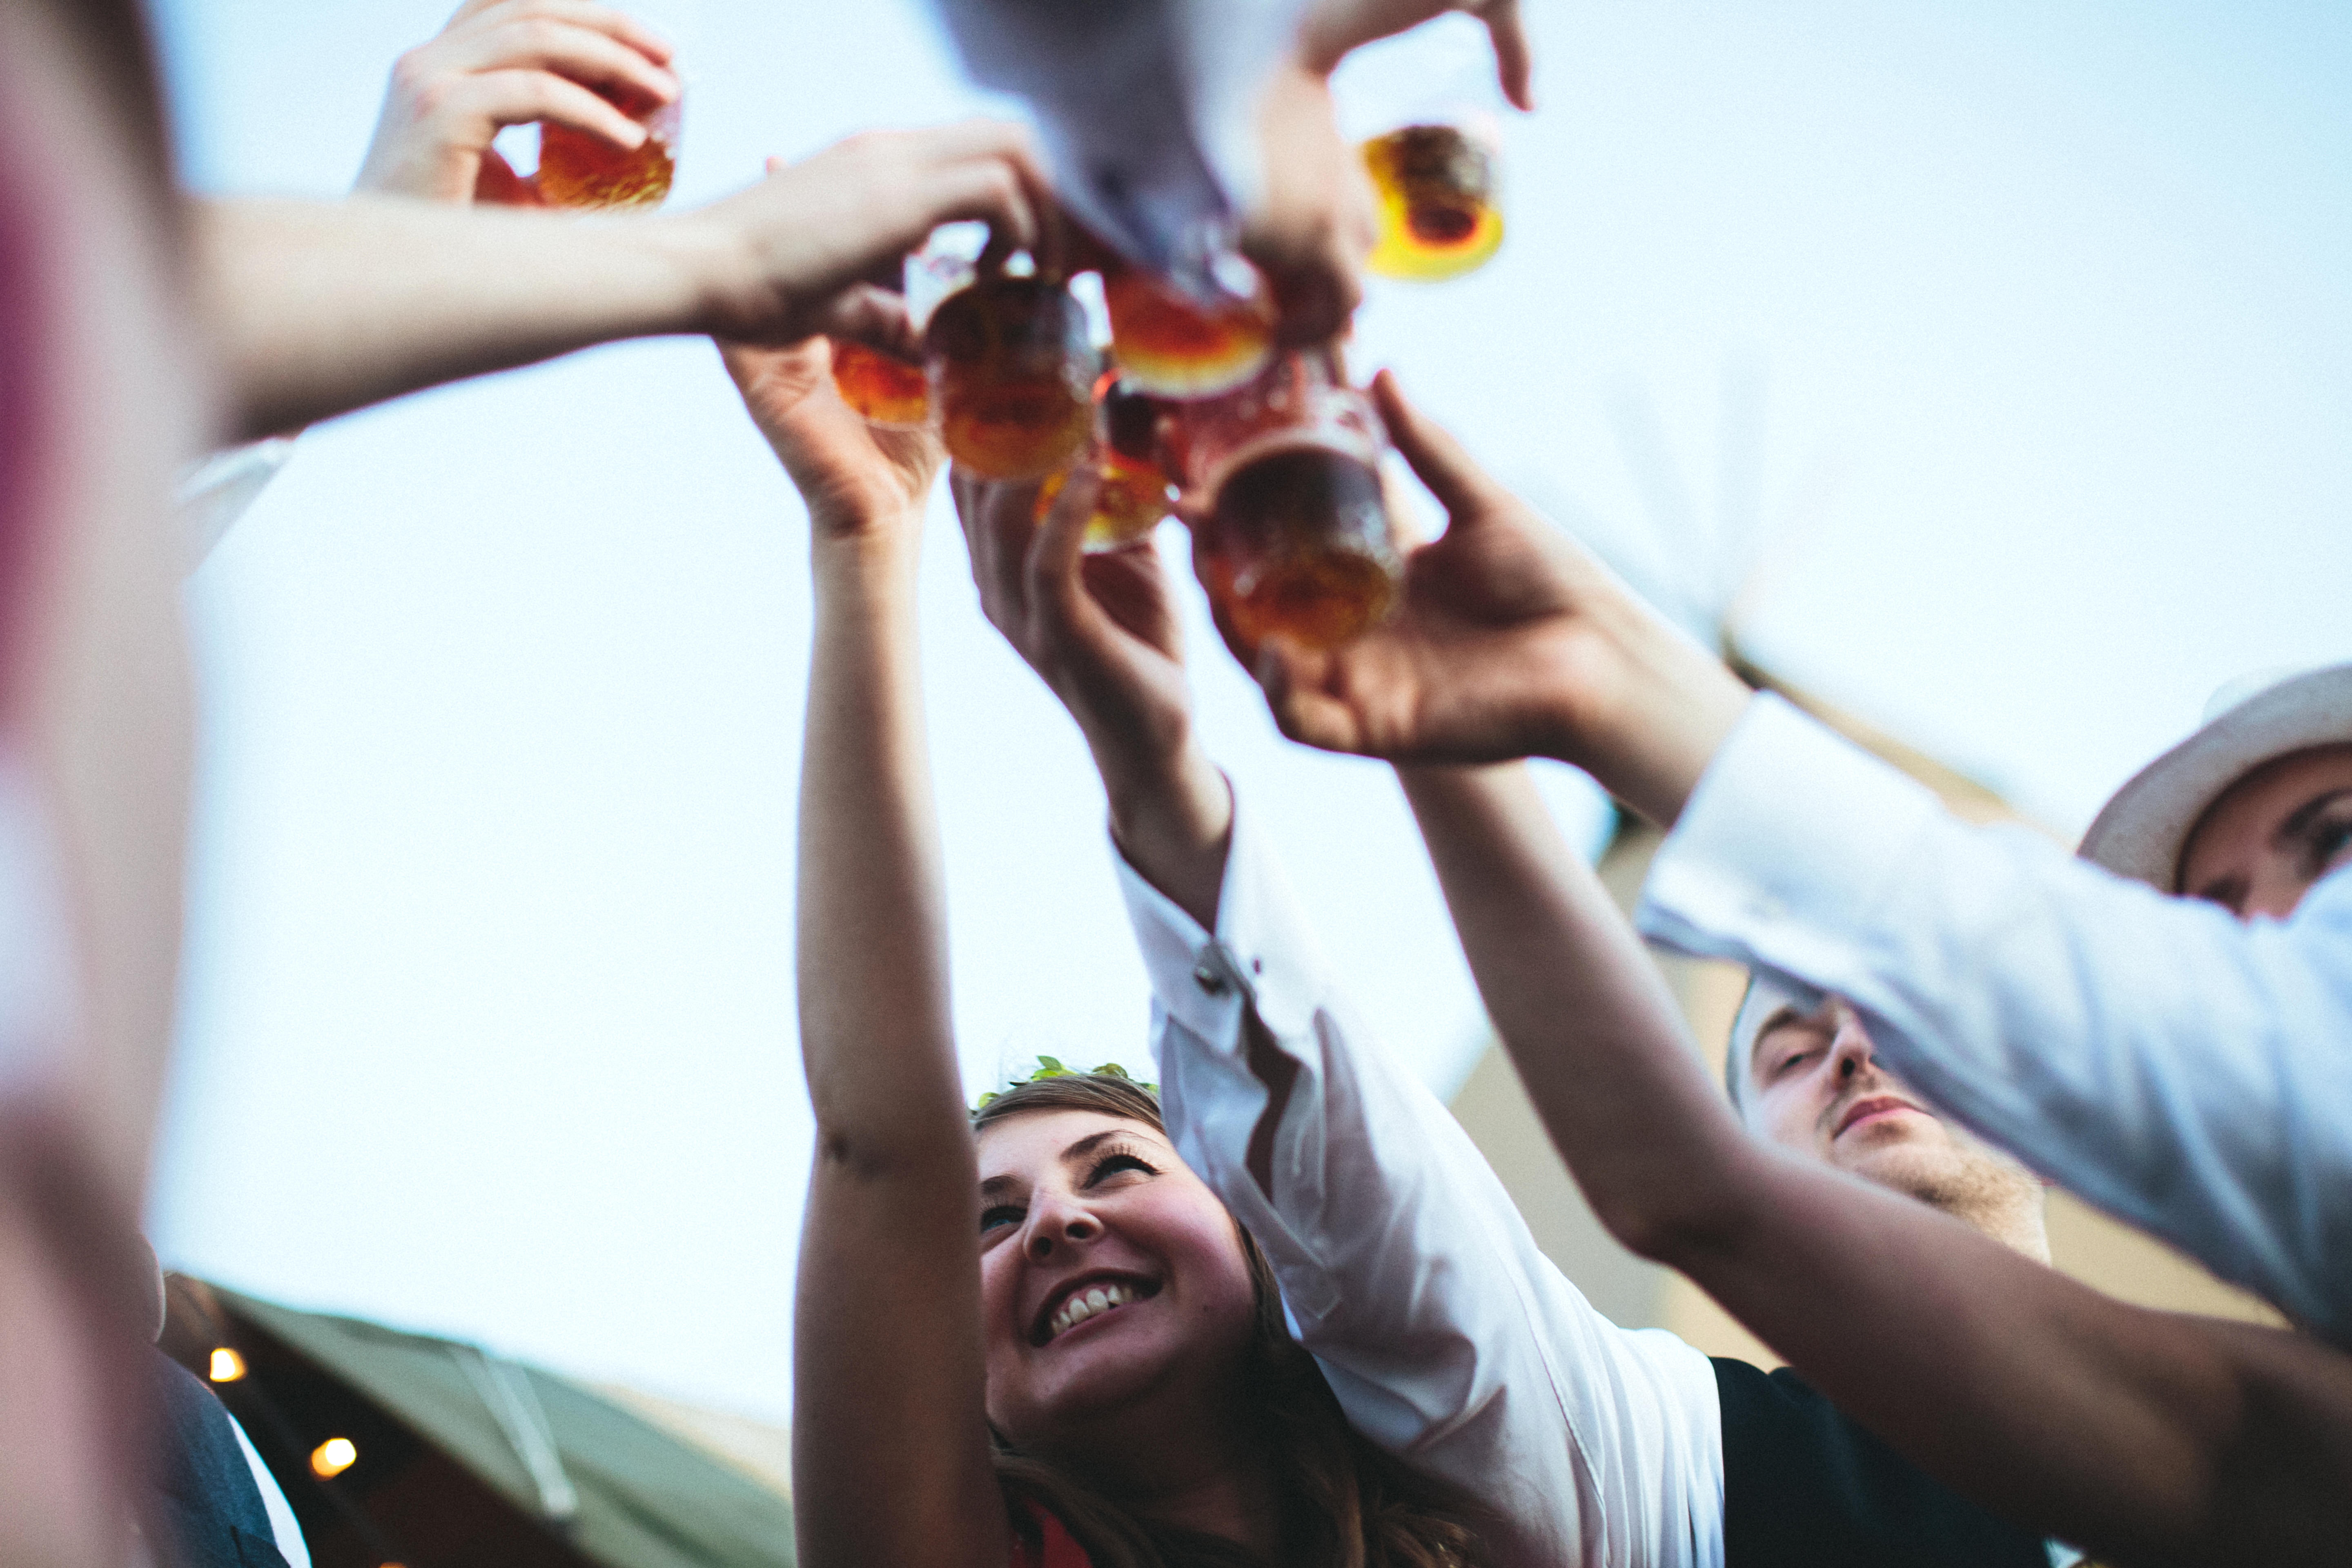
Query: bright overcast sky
{"points": [[2018, 335]]}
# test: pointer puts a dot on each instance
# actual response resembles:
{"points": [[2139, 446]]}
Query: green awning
{"points": [[637, 1496]]}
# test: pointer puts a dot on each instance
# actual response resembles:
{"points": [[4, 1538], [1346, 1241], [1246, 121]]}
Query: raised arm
{"points": [[318, 308], [1448, 1337], [890, 1449], [2158, 1056], [2149, 1436]]}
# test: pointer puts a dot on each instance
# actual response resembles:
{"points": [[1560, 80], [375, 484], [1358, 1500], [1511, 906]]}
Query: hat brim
{"points": [[2141, 832]]}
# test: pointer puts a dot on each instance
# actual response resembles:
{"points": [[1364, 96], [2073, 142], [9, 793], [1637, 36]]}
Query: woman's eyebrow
{"points": [[998, 1185], [1089, 1143]]}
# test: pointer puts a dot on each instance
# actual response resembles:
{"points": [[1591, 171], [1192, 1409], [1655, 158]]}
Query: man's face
{"points": [[2260, 847], [1815, 1086]]}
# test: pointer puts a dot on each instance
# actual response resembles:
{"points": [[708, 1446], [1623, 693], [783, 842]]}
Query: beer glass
{"points": [[1012, 370], [1133, 492], [1171, 345], [887, 391], [577, 170], [1293, 533], [1425, 112], [1440, 212]]}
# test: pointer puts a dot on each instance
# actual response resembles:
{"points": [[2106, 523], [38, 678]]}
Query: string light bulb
{"points": [[226, 1365], [333, 1457]]}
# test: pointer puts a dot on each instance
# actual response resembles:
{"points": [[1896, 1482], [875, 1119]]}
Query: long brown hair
{"points": [[1345, 1502]]}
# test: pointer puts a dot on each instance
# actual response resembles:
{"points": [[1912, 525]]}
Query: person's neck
{"points": [[1185, 1464], [2016, 1223]]}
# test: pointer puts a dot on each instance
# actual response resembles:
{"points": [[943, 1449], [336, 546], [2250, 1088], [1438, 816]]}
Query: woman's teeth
{"points": [[1087, 1304]]}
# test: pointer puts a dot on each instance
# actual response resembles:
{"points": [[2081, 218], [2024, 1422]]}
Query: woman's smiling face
{"points": [[1107, 1268]]}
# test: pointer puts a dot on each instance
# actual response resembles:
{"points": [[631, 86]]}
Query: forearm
{"points": [[890, 1452], [2149, 1053], [2138, 1436], [1589, 1022], [1175, 822], [320, 308], [2120, 1429], [876, 1037]]}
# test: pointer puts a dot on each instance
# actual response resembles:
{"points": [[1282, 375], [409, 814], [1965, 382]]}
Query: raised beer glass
{"points": [[1426, 115], [1171, 345], [886, 391], [1284, 477], [1133, 492], [1012, 368], [576, 170], [1440, 206]]}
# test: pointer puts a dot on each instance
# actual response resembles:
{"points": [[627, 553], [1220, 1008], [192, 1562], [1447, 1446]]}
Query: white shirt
{"points": [[1448, 1337], [282, 1522], [2189, 1072]]}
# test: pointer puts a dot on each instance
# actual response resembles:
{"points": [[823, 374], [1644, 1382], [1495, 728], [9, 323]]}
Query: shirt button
{"points": [[1210, 982]]}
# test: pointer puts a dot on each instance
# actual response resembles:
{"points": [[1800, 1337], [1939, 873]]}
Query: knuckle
{"points": [[414, 73]]}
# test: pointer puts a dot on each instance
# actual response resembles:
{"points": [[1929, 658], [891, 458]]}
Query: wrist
{"points": [[1654, 726], [1181, 799], [718, 275], [865, 555], [1176, 834]]}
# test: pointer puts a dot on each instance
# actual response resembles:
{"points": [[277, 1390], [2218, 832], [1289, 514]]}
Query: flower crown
{"points": [[1051, 1066]]}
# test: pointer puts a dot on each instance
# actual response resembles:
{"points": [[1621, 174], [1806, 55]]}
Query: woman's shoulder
{"points": [[1046, 1543]]}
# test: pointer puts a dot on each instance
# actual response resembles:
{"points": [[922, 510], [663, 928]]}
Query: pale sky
{"points": [[2018, 336]]}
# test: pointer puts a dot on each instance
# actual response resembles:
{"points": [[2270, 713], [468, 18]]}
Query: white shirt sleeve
{"points": [[2187, 1071], [1448, 1337], [222, 487], [282, 1523]]}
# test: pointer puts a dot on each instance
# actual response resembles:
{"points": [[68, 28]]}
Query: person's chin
{"points": [[1914, 1161], [1100, 1374]]}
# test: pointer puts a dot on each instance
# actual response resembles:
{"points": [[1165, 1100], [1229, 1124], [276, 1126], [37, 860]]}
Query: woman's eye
{"points": [[1111, 1164], [2328, 839], [1002, 1214], [1794, 1058]]}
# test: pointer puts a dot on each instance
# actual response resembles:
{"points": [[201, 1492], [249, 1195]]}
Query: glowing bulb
{"points": [[333, 1457], [227, 1366]]}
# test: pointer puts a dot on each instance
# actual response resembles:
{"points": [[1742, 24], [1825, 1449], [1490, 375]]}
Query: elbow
{"points": [[1675, 1217], [873, 1156]]}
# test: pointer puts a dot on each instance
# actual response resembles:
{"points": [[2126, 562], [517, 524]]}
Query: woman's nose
{"points": [[1052, 1221]]}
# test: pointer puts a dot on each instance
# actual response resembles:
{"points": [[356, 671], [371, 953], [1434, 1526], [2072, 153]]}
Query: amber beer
{"points": [[885, 392], [1133, 492], [1012, 372], [577, 170], [1439, 214], [1296, 538], [1171, 345]]}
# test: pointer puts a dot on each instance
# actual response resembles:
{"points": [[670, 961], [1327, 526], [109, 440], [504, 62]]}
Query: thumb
{"points": [[1294, 678], [876, 317], [1514, 60], [1055, 549], [1436, 458]]}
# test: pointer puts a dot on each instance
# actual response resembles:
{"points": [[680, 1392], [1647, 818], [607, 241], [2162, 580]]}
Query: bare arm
{"points": [[318, 308], [890, 1452], [2143, 1435]]}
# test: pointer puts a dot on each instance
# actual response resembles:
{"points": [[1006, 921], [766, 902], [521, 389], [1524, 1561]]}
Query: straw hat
{"points": [[2254, 720]]}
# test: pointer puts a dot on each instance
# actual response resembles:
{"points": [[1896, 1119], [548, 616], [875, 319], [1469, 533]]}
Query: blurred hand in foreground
{"points": [[1334, 27], [510, 62], [1510, 640], [322, 307], [802, 242], [1316, 218]]}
